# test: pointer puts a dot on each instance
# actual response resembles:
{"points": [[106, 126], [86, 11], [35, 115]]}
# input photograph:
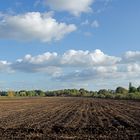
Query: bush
{"points": [[10, 93], [121, 90]]}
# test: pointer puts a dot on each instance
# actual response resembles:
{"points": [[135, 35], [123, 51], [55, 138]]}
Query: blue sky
{"points": [[56, 44]]}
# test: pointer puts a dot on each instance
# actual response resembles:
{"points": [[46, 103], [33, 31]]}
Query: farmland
{"points": [[69, 118]]}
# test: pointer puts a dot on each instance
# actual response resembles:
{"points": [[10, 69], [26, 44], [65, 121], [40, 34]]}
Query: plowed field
{"points": [[69, 118]]}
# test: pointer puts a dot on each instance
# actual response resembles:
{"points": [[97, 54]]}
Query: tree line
{"points": [[118, 93]]}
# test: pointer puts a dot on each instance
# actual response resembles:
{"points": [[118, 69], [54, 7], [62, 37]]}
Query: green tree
{"points": [[30, 93], [138, 89], [121, 90], [39, 93], [102, 91], [132, 90]]}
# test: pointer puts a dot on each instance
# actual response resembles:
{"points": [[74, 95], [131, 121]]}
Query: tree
{"points": [[42, 93], [10, 93], [30, 93], [82, 91], [121, 90], [22, 93], [102, 91], [130, 85], [3, 93], [39, 93], [132, 90], [138, 89]]}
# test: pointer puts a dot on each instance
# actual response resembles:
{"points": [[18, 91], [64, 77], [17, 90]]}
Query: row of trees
{"points": [[23, 93], [119, 93]]}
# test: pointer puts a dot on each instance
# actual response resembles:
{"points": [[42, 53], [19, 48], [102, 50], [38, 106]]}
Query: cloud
{"points": [[132, 56], [91, 73], [39, 59], [74, 7], [102, 73], [71, 58], [33, 26], [104, 4], [93, 24], [46, 62], [4, 66], [86, 58], [133, 67], [131, 63], [78, 65]]}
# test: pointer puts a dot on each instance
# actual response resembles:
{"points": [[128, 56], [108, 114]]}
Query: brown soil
{"points": [[69, 118]]}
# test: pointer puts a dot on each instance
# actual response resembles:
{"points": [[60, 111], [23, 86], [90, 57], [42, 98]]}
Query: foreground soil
{"points": [[69, 118]]}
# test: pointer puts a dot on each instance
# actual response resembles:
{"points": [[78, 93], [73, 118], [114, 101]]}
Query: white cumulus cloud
{"points": [[54, 63], [90, 73], [75, 7], [132, 56], [46, 62], [135, 67], [79, 65], [34, 26], [86, 58]]}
